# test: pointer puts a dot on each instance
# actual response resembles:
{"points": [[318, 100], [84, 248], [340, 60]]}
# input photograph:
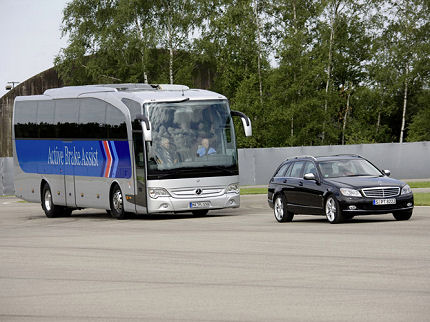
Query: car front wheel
{"points": [[403, 215], [280, 210], [332, 210]]}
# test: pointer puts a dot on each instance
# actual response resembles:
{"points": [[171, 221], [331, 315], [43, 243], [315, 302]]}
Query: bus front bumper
{"points": [[170, 204]]}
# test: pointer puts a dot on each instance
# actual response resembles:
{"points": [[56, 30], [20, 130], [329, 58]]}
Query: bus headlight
{"points": [[406, 189], [350, 192], [233, 188], [154, 193]]}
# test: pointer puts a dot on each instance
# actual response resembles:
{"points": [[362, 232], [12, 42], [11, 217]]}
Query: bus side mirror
{"points": [[246, 122], [146, 127]]}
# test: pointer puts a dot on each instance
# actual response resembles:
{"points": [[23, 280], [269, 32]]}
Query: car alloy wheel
{"points": [[280, 210], [332, 210]]}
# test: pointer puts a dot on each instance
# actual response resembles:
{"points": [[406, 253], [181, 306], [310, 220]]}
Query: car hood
{"points": [[364, 182]]}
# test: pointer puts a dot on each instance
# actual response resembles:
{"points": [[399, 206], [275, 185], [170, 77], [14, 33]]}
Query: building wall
{"points": [[404, 160]]}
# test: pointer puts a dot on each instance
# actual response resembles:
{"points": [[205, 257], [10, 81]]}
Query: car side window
{"points": [[296, 169], [282, 169], [310, 168]]}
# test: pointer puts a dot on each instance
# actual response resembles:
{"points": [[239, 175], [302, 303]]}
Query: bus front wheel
{"points": [[117, 203]]}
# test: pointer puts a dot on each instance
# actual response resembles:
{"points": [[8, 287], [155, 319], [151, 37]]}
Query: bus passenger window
{"points": [[92, 119], [115, 121], [45, 119], [25, 119], [66, 118]]}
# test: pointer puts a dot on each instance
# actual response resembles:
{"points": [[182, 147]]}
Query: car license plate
{"points": [[379, 202], [200, 204]]}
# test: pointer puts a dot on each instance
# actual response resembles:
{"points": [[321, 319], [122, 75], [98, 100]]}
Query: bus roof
{"points": [[144, 93]]}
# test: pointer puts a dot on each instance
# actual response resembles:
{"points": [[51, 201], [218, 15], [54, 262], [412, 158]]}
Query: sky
{"points": [[30, 38]]}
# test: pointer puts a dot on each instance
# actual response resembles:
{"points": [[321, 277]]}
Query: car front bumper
{"points": [[363, 206]]}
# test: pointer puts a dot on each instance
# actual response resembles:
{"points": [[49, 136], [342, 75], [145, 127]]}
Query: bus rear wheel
{"points": [[117, 203], [51, 210]]}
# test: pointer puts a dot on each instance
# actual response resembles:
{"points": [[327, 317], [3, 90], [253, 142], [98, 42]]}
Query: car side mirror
{"points": [[387, 172], [146, 127], [309, 176]]}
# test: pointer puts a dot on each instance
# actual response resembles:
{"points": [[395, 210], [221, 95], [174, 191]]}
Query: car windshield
{"points": [[192, 138], [347, 168]]}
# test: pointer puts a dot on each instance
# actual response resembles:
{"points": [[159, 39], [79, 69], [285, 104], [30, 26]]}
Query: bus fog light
{"points": [[352, 207], [164, 206]]}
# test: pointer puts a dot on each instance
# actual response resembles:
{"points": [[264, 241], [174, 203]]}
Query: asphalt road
{"points": [[234, 265]]}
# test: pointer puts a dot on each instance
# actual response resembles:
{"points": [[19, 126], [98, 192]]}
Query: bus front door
{"points": [[140, 173]]}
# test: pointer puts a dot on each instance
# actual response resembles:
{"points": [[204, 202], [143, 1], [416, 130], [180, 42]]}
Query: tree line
{"points": [[307, 72]]}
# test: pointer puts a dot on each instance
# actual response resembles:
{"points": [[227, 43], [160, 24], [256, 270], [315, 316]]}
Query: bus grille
{"points": [[204, 192], [381, 192]]}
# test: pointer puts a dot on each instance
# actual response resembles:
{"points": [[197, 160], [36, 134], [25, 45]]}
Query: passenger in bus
{"points": [[166, 153], [205, 148]]}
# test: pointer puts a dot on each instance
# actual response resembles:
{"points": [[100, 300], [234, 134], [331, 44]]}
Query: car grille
{"points": [[381, 192]]}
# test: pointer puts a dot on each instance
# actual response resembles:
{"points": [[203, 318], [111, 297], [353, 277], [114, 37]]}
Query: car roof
{"points": [[324, 158]]}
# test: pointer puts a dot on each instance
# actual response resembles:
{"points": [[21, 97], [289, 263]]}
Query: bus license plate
{"points": [[379, 202], [200, 204]]}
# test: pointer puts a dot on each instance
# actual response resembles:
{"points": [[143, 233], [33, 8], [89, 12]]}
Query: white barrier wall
{"points": [[404, 160]]}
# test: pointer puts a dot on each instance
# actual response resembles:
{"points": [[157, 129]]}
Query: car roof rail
{"points": [[304, 156]]}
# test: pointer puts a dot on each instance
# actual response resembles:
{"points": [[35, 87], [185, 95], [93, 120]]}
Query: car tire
{"points": [[402, 215], [202, 212], [280, 209], [51, 210], [332, 210], [117, 203]]}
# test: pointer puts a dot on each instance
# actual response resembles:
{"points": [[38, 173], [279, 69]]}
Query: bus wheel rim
{"points": [[48, 200], [117, 201]]}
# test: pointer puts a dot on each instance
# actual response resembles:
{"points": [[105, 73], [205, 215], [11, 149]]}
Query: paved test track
{"points": [[234, 265]]}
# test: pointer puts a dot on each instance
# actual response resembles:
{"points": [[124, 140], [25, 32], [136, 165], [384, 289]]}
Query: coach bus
{"points": [[126, 148]]}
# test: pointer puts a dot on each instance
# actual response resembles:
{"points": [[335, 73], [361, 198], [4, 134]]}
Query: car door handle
{"points": [[300, 183], [284, 181]]}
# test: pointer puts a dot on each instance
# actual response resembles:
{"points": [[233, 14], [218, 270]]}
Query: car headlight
{"points": [[233, 188], [406, 189], [154, 193], [350, 192]]}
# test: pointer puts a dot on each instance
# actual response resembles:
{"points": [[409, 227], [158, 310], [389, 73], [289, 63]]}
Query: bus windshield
{"points": [[191, 139]]}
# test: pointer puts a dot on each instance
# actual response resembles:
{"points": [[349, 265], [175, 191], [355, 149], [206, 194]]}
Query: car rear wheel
{"points": [[280, 210], [403, 215], [332, 210]]}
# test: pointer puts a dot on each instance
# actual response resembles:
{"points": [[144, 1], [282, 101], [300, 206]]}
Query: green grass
{"points": [[253, 191], [422, 199], [419, 184]]}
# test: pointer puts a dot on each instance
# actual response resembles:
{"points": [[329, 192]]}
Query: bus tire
{"points": [[117, 203], [51, 210]]}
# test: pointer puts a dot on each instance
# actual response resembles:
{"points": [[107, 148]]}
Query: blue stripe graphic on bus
{"points": [[109, 159]]}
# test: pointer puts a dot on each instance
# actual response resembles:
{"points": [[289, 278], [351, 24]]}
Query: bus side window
{"points": [[45, 119], [92, 119], [115, 121], [66, 118], [25, 119]]}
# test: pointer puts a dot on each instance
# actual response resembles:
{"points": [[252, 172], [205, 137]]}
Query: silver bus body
{"points": [[60, 141]]}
